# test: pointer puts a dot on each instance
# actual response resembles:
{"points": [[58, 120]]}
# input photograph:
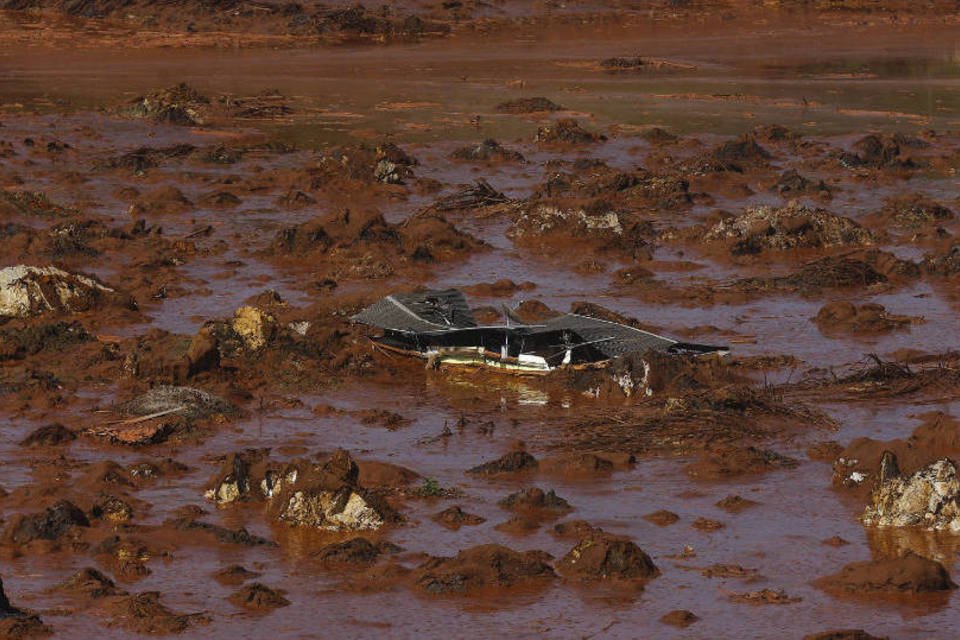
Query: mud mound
{"points": [[31, 204], [912, 211], [90, 584], [876, 152], [58, 522], [558, 225], [511, 463], [455, 517], [791, 184], [537, 502], [487, 151], [179, 105], [163, 201], [144, 613], [259, 598], [679, 618], [16, 623], [29, 291], [528, 105], [479, 196], [141, 159], [731, 462], [234, 574], [567, 131], [792, 227], [909, 574], [843, 634], [607, 557], [353, 552], [49, 436], [859, 269], [485, 566], [846, 317]]}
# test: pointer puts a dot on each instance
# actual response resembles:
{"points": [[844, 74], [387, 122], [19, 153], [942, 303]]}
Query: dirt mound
{"points": [[180, 105], [144, 613], [732, 462], [567, 131], [528, 105], [365, 245], [876, 152], [843, 634], [259, 598], [485, 566], [50, 435], [912, 211], [607, 557], [455, 517], [487, 151], [909, 574], [536, 501], [791, 184], [556, 226], [90, 584], [510, 463], [791, 227], [55, 523], [679, 618], [31, 204], [234, 574], [844, 316], [16, 623]]}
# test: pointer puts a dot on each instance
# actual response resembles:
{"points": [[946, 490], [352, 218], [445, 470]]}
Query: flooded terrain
{"points": [[197, 440]]}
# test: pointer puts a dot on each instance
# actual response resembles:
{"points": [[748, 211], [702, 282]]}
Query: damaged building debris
{"points": [[438, 326]]}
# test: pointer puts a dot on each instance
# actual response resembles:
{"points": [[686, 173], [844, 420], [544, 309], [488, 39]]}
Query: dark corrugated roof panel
{"points": [[420, 311], [610, 338]]}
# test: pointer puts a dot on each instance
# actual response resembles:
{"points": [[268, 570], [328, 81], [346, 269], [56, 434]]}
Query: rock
{"points": [[843, 634], [607, 557], [929, 498], [89, 583], [52, 524], [258, 597], [679, 618], [30, 291], [255, 327], [513, 462], [340, 511], [455, 517], [907, 574], [50, 435], [488, 565]]}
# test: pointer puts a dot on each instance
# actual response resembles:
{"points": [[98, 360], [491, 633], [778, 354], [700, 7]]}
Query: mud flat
{"points": [[198, 441]]}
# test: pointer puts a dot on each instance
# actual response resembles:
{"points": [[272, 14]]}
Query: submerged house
{"points": [[439, 327]]}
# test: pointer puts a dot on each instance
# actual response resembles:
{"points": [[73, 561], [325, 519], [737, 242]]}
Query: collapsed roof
{"points": [[434, 320]]}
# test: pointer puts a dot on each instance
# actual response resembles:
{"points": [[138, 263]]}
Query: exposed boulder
{"points": [[929, 498], [603, 556], [30, 291]]}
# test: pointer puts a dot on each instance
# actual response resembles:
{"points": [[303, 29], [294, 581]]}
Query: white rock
{"points": [[28, 291]]}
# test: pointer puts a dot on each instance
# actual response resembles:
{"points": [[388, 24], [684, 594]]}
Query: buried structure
{"points": [[439, 327]]}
